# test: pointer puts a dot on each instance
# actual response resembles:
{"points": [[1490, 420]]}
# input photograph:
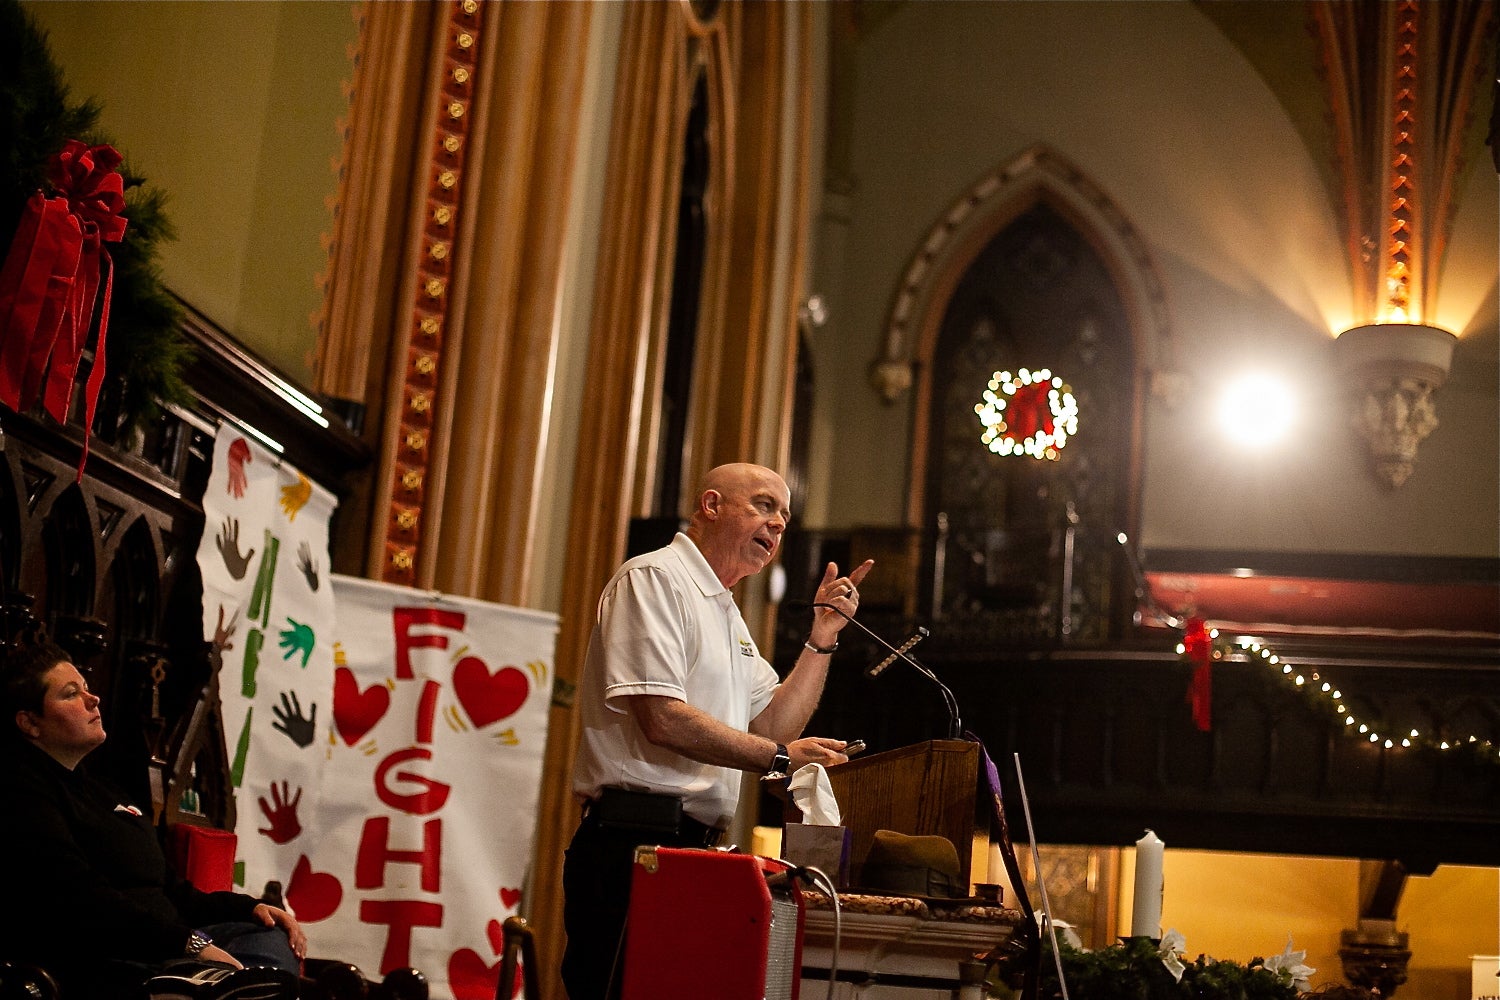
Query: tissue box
{"points": [[823, 847]]}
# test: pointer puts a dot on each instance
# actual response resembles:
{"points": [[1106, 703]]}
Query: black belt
{"points": [[651, 816]]}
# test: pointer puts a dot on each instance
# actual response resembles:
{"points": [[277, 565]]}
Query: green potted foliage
{"points": [[146, 348]]}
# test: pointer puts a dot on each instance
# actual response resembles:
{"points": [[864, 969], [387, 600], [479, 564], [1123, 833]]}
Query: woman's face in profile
{"points": [[69, 725]]}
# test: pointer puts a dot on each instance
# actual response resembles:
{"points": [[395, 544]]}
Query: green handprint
{"points": [[298, 638]]}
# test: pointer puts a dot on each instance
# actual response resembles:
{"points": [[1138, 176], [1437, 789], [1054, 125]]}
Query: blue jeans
{"points": [[255, 944]]}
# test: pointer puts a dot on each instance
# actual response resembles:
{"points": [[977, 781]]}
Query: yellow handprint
{"points": [[295, 496]]}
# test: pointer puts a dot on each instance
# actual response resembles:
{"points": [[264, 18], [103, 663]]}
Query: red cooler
{"points": [[709, 924]]}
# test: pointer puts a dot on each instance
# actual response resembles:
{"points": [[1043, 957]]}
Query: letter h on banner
{"points": [[375, 852]]}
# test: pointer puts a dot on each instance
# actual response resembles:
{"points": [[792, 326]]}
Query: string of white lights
{"points": [[1311, 681]]}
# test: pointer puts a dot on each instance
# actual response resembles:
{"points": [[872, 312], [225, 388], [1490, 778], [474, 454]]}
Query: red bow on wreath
{"points": [[49, 285], [1030, 411], [1198, 646]]}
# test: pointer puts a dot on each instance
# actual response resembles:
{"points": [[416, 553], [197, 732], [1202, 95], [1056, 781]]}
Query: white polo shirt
{"points": [[667, 626]]}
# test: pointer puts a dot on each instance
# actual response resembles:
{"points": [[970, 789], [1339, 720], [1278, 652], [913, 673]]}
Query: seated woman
{"points": [[90, 895]]}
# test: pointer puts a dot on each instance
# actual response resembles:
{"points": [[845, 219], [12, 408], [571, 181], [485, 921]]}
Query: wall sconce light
{"points": [[1392, 370]]}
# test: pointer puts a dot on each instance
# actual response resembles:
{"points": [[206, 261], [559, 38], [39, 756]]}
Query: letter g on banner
{"points": [[432, 796]]}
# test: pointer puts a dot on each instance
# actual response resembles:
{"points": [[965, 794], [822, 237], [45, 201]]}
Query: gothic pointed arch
{"points": [[1034, 267]]}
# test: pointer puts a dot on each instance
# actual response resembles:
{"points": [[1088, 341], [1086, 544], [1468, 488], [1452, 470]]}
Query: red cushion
{"points": [[205, 856]]}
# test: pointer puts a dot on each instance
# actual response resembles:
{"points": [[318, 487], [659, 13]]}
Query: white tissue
{"points": [[813, 794]]}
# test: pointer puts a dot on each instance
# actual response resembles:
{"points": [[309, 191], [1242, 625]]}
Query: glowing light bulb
{"points": [[1257, 411]]}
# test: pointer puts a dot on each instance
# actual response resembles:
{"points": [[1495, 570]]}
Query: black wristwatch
{"points": [[782, 762], [196, 942]]}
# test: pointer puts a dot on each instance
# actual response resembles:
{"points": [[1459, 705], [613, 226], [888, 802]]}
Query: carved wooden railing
{"points": [[1109, 747], [108, 562]]}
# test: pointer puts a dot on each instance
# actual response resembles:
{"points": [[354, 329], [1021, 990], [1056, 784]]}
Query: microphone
{"points": [[955, 724], [879, 668], [896, 653]]}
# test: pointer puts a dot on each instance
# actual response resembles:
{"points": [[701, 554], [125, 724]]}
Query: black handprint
{"points": [[307, 565], [229, 547], [289, 719]]}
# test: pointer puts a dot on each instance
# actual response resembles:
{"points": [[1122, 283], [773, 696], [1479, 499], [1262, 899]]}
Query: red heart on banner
{"points": [[510, 897], [312, 895], [488, 697], [469, 978], [356, 712], [496, 933]]}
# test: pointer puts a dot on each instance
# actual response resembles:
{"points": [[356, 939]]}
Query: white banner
{"points": [[268, 603], [424, 833]]}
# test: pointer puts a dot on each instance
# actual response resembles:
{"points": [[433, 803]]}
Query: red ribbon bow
{"points": [[49, 285], [1030, 411], [1198, 644]]}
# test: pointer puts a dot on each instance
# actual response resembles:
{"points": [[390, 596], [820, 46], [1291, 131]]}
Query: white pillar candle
{"points": [[1145, 917]]}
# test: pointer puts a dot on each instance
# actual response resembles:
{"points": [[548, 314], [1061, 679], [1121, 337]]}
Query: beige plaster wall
{"points": [[1163, 113], [231, 108], [1238, 906]]}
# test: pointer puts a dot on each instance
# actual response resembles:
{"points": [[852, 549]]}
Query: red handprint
{"points": [[239, 454], [281, 812]]}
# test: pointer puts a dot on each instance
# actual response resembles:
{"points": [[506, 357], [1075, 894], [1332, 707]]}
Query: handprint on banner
{"points": [[289, 719], [308, 565], [356, 712], [294, 496], [239, 455], [487, 697], [313, 895], [297, 639], [228, 542], [223, 633], [281, 813]]}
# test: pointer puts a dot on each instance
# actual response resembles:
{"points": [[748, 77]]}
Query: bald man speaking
{"points": [[677, 701]]}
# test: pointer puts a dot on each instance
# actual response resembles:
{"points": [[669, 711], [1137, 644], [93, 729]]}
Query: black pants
{"points": [[597, 870]]}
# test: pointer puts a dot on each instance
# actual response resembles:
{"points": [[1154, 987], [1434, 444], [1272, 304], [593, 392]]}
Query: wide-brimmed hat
{"points": [[910, 865]]}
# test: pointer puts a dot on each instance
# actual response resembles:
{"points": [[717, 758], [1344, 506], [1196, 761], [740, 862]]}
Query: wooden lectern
{"points": [[925, 788]]}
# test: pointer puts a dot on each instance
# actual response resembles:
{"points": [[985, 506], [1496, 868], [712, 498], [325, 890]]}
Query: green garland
{"points": [[146, 350], [1133, 970]]}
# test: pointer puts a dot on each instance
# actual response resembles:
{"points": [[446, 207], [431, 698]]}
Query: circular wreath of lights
{"points": [[1032, 413]]}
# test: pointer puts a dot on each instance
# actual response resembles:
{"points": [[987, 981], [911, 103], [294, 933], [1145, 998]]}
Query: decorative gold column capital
{"points": [[1392, 371], [891, 377]]}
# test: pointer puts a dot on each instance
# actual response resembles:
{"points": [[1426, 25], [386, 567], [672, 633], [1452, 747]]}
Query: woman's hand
{"points": [[273, 915]]}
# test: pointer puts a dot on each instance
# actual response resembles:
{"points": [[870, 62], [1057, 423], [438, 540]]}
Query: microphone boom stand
{"points": [[955, 724]]}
